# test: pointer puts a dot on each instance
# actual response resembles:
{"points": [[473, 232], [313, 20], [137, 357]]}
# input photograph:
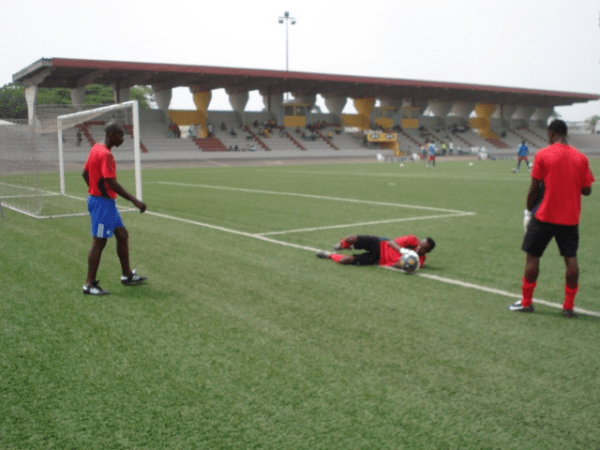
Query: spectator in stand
{"points": [[233, 133], [223, 126]]}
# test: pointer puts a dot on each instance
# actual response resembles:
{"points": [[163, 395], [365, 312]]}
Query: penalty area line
{"points": [[463, 284], [349, 225], [318, 197]]}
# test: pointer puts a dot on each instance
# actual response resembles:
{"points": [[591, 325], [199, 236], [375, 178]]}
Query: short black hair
{"points": [[559, 127], [113, 127], [431, 242]]}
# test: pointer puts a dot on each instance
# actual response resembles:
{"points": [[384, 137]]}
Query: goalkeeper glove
{"points": [[526, 219]]}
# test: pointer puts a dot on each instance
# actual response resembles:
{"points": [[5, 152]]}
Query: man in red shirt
{"points": [[379, 251], [565, 175], [100, 174]]}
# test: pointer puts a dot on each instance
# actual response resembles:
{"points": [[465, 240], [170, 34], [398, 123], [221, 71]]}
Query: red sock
{"points": [[345, 244], [335, 257], [570, 297], [527, 291]]}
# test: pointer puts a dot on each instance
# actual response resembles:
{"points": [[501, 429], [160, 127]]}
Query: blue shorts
{"points": [[104, 216]]}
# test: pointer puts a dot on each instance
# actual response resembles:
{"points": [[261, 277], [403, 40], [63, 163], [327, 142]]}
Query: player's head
{"points": [[425, 246], [557, 130], [114, 135]]}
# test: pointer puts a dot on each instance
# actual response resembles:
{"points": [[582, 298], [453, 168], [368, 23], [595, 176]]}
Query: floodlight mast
{"points": [[286, 17]]}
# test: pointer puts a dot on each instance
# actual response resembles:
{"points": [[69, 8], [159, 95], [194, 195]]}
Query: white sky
{"points": [[538, 44]]}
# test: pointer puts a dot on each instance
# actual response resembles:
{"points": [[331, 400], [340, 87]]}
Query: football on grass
{"points": [[410, 261]]}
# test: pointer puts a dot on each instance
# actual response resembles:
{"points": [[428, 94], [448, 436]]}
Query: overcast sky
{"points": [[538, 44]]}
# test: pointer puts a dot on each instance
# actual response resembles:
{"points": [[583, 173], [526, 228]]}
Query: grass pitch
{"points": [[243, 339]]}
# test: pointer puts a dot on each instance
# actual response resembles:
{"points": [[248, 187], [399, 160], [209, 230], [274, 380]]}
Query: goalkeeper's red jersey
{"points": [[564, 171], [388, 256], [100, 165]]}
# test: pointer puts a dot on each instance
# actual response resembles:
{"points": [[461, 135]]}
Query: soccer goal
{"points": [[41, 165]]}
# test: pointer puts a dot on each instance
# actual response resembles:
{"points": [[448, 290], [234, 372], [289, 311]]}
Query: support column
{"points": [[541, 114], [201, 100], [335, 106], [77, 96], [272, 103], [523, 114], [163, 100], [310, 100], [462, 110], [238, 101], [31, 99], [364, 106], [484, 112], [120, 95], [440, 110], [411, 111]]}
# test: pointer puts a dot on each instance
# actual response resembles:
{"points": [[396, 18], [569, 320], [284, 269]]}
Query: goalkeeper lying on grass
{"points": [[379, 251]]}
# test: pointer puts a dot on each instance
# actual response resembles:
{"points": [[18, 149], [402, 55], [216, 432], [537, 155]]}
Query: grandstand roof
{"points": [[73, 73]]}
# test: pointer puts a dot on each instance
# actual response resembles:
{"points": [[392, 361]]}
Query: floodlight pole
{"points": [[286, 17]]}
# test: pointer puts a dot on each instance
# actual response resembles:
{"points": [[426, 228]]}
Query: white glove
{"points": [[404, 251], [526, 219]]}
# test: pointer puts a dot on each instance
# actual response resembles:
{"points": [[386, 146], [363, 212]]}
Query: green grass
{"points": [[241, 343]]}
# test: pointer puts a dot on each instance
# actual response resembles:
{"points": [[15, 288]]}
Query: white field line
{"points": [[399, 174], [350, 225], [319, 197], [431, 277], [229, 230], [505, 293]]}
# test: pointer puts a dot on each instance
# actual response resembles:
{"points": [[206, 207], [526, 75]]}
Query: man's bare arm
{"points": [[120, 190]]}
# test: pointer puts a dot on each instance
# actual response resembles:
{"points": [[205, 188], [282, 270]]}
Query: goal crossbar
{"points": [[67, 119]]}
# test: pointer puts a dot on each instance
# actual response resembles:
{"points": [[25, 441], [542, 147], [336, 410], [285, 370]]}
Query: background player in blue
{"points": [[431, 157], [522, 152]]}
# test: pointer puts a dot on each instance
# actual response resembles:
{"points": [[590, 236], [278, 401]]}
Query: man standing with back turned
{"points": [[566, 176], [100, 174]]}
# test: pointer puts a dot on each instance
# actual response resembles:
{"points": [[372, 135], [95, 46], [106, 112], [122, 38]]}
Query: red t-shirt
{"points": [[388, 256], [564, 171], [100, 165]]}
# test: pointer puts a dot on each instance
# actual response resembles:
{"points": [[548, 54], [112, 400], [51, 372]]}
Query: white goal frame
{"points": [[95, 112]]}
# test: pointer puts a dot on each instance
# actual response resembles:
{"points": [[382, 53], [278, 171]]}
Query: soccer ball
{"points": [[409, 262]]}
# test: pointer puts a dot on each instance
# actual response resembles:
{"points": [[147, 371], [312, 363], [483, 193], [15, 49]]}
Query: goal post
{"points": [[73, 119], [40, 164]]}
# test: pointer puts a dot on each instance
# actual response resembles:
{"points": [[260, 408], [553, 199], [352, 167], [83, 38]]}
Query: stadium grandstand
{"points": [[394, 116]]}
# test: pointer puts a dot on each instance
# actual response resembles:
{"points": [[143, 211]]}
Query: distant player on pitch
{"points": [[431, 157], [522, 152], [100, 174]]}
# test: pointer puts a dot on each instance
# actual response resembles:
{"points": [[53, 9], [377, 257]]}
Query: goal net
{"points": [[41, 165]]}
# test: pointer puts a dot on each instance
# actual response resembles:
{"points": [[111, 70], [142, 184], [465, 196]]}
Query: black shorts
{"points": [[539, 235], [371, 245]]}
